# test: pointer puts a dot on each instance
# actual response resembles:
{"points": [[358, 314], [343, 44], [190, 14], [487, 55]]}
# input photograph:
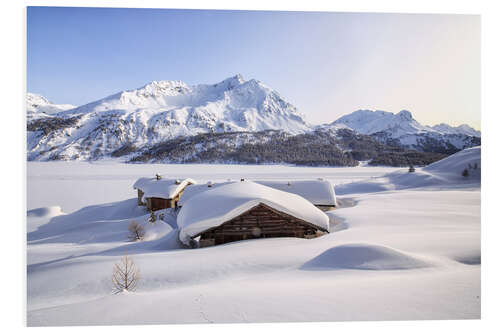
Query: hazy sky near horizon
{"points": [[326, 64]]}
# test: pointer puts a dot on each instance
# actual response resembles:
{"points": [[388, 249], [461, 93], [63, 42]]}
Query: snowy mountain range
{"points": [[398, 125], [401, 129], [134, 120]]}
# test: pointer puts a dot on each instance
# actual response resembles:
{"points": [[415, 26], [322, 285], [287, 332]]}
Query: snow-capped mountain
{"points": [[369, 122], [399, 124], [131, 122], [159, 111], [36, 103], [178, 109], [402, 129]]}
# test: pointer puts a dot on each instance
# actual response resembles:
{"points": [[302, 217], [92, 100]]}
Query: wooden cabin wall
{"points": [[154, 204], [259, 222]]}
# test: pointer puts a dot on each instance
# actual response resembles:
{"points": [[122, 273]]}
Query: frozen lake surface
{"points": [[73, 185]]}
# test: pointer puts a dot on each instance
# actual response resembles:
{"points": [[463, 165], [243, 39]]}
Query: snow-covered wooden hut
{"points": [[246, 210], [157, 193], [319, 192]]}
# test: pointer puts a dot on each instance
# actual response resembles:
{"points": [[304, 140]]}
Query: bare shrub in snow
{"points": [[135, 231], [465, 173], [126, 275], [152, 218]]}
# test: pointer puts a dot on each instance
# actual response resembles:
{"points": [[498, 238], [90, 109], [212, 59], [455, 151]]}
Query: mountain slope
{"points": [[318, 148]]}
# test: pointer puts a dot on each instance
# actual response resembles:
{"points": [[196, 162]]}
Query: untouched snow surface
{"points": [[404, 246]]}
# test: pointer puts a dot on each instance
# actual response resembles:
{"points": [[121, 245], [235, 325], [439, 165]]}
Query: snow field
{"points": [[404, 247]]}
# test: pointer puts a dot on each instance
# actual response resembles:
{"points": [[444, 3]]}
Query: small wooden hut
{"points": [[157, 193], [320, 192]]}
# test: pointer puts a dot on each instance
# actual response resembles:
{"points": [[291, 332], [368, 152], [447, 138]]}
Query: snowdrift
{"points": [[38, 217], [363, 256], [452, 166], [45, 211], [444, 173]]}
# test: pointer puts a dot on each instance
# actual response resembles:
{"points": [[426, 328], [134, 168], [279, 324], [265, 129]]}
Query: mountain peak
{"points": [[405, 114], [161, 87], [36, 103], [238, 77], [231, 82]]}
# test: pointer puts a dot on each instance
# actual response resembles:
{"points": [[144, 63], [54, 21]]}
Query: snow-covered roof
{"points": [[162, 188], [214, 207], [193, 190], [318, 192]]}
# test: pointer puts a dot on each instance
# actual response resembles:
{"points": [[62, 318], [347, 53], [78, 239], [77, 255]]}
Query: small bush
{"points": [[135, 231], [152, 218], [465, 173]]}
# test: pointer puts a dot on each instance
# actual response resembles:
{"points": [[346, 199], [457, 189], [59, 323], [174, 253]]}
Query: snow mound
{"points": [[446, 172], [457, 162], [157, 230], [39, 217], [45, 211], [363, 256]]}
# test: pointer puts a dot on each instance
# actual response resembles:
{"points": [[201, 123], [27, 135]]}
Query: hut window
{"points": [[256, 232]]}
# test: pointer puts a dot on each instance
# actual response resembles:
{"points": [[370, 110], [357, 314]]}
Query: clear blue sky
{"points": [[326, 64]]}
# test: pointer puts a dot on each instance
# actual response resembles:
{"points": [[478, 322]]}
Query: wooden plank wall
{"points": [[259, 222]]}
